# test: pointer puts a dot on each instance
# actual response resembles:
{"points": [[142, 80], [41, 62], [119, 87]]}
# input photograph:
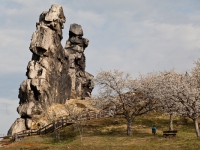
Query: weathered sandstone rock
{"points": [[82, 81], [17, 126], [54, 75]]}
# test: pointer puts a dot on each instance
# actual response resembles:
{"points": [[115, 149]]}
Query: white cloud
{"points": [[14, 49], [146, 46], [91, 18], [8, 114], [130, 35], [131, 32]]}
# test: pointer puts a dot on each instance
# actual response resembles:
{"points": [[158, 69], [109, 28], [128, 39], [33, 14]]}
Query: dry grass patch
{"points": [[110, 134]]}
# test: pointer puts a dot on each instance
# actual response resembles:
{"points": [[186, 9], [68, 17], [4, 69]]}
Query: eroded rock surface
{"points": [[17, 126], [54, 75], [82, 81]]}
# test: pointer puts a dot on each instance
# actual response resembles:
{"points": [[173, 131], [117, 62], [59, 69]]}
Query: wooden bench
{"points": [[170, 133]]}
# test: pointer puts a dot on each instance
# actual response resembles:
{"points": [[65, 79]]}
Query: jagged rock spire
{"points": [[54, 74], [82, 81]]}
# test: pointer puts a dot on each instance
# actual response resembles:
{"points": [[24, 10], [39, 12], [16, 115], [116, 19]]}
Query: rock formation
{"points": [[82, 81], [54, 74]]}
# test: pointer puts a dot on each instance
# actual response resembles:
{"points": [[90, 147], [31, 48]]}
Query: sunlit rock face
{"points": [[82, 81], [54, 75], [17, 126]]}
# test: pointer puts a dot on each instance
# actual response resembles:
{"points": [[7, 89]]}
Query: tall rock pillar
{"points": [[48, 78], [54, 74], [82, 81]]}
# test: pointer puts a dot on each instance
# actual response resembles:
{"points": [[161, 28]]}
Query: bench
{"points": [[170, 133]]}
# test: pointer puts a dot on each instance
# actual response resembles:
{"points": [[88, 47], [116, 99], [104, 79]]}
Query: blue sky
{"points": [[129, 35]]}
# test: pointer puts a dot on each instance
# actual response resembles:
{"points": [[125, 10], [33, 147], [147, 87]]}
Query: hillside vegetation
{"points": [[108, 134]]}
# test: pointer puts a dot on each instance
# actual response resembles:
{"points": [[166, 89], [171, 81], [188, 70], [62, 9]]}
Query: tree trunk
{"points": [[171, 122], [196, 126], [129, 127]]}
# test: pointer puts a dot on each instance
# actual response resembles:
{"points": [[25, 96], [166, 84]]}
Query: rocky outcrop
{"points": [[48, 80], [54, 75], [82, 81], [17, 126]]}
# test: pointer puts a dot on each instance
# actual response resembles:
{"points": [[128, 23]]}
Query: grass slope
{"points": [[109, 134]]}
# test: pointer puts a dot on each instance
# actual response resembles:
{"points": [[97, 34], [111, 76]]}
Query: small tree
{"points": [[119, 87], [75, 115], [183, 92], [152, 86], [169, 107], [164, 95]]}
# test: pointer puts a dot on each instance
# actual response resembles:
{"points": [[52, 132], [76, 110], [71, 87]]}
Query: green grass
{"points": [[109, 134]]}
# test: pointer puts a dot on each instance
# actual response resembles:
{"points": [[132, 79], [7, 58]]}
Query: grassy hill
{"points": [[110, 134]]}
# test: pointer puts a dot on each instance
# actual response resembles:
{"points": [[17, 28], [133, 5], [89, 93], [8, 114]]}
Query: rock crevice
{"points": [[54, 75]]}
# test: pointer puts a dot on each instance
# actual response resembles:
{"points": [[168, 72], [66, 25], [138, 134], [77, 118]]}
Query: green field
{"points": [[110, 134]]}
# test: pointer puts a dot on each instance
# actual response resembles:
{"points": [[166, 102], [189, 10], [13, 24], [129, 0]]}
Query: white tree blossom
{"points": [[120, 88], [163, 93], [180, 93]]}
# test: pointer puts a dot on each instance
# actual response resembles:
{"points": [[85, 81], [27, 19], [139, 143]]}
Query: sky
{"points": [[135, 36]]}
